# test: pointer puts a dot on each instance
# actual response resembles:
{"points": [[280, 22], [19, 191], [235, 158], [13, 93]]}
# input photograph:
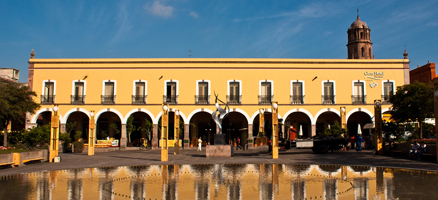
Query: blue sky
{"points": [[212, 29]]}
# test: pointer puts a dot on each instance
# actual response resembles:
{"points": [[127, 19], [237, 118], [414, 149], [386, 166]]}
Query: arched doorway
{"points": [[267, 125], [202, 125], [235, 126], [44, 118], [108, 125], [142, 125], [78, 122], [298, 120], [324, 120], [171, 127], [356, 118]]}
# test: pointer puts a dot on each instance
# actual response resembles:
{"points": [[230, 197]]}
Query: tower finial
{"points": [[405, 54], [357, 13], [32, 54]]}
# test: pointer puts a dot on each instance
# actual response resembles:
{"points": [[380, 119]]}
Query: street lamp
{"points": [[92, 126], [176, 133], [274, 130], [164, 124], [54, 134], [261, 121], [378, 127]]}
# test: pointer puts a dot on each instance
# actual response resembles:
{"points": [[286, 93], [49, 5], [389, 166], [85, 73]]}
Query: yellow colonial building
{"points": [[310, 92]]}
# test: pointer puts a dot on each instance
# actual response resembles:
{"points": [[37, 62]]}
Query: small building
{"points": [[425, 73]]}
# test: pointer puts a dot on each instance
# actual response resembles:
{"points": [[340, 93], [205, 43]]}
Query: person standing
{"points": [[199, 144], [238, 143], [359, 141]]}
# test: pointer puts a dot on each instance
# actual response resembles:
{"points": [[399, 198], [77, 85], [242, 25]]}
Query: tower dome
{"points": [[359, 41]]}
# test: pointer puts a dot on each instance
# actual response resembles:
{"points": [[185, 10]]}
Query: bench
{"points": [[34, 159], [9, 163]]}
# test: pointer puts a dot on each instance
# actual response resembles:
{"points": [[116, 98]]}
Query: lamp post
{"points": [[176, 133], [164, 132], [274, 130], [261, 120], [378, 127], [342, 121], [435, 102], [92, 126], [54, 134]]}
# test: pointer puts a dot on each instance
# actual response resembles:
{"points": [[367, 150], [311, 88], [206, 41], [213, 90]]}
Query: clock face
{"points": [[436, 93]]}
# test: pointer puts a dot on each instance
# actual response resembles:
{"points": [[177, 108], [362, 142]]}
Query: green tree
{"points": [[130, 127], [15, 100], [413, 103]]}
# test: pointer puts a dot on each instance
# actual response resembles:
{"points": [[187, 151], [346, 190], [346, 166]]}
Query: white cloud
{"points": [[194, 14], [159, 9]]}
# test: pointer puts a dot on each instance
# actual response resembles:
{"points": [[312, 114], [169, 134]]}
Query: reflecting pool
{"points": [[216, 181]]}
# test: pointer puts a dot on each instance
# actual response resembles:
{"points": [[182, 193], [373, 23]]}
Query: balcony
{"points": [[234, 99], [77, 99], [47, 99], [108, 99], [296, 99], [266, 99], [385, 98], [328, 99], [139, 99], [202, 99], [170, 99], [358, 99]]}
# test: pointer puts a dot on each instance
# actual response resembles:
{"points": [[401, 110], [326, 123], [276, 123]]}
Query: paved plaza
{"points": [[191, 156]]}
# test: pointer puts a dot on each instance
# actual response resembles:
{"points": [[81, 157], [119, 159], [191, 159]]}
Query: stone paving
{"points": [[191, 156]]}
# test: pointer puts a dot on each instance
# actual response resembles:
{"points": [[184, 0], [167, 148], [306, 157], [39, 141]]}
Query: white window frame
{"points": [[205, 81], [364, 86], [170, 81], [383, 86], [109, 81], [234, 81], [44, 84], [78, 81], [292, 87], [266, 81], [145, 86], [334, 88]]}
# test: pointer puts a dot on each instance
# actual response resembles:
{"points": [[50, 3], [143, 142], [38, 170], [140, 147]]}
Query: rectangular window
{"points": [[48, 95], [297, 95], [139, 97], [108, 98], [139, 89], [171, 93], [328, 97], [234, 96], [202, 97], [358, 93], [78, 95], [387, 91], [266, 93]]}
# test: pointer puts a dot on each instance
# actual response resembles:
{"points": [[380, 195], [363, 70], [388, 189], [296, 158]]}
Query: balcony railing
{"points": [[296, 99], [170, 99], [266, 99], [77, 99], [202, 99], [385, 98], [139, 99], [358, 99], [234, 99], [108, 99], [47, 99], [328, 99]]}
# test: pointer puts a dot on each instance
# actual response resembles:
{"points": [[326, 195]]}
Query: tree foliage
{"points": [[413, 103], [15, 101]]}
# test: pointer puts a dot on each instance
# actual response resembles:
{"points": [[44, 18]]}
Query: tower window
{"points": [[363, 52], [361, 35]]}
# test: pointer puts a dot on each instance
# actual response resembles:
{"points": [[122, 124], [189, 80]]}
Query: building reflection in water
{"points": [[215, 181]]}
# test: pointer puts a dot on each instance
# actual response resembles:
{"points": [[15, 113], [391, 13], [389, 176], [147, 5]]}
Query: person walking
{"points": [[359, 141], [199, 144], [238, 144]]}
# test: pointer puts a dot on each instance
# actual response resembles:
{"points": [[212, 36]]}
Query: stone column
{"points": [[313, 130], [186, 135], [155, 136], [250, 136], [123, 138], [62, 128]]}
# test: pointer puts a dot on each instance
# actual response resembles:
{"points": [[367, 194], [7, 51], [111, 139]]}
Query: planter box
{"points": [[19, 159]]}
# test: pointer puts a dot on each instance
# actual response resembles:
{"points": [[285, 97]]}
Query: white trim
{"points": [[297, 81], [393, 86], [181, 114], [78, 81], [197, 111], [363, 87], [386, 110], [347, 116], [168, 81], [35, 116], [109, 81], [234, 81], [334, 88], [49, 81], [257, 113], [145, 86], [68, 113], [197, 86], [137, 110], [298, 110], [266, 81], [315, 119], [97, 115]]}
